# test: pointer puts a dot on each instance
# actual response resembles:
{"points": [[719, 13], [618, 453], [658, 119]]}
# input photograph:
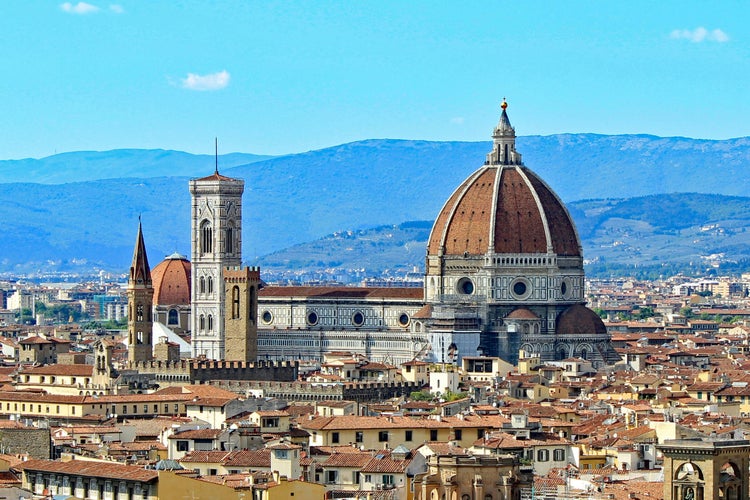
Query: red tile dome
{"points": [[171, 281], [580, 320], [503, 208]]}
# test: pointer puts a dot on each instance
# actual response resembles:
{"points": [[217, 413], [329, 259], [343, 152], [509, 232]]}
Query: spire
{"points": [[504, 141], [140, 272]]}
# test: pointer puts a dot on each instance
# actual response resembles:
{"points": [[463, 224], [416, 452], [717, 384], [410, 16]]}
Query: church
{"points": [[503, 274]]}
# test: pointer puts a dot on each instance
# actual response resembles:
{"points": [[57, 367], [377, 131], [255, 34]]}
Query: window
{"points": [[202, 285], [383, 436], [388, 479], [458, 434], [433, 435], [182, 445], [145, 409], [480, 433], [230, 239], [359, 437], [139, 312], [173, 318], [135, 408], [559, 455], [202, 323], [235, 302], [335, 437], [331, 476], [408, 435], [542, 455], [252, 305], [212, 472], [210, 284], [206, 237], [210, 322]]}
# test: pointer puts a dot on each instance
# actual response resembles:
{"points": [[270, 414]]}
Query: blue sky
{"points": [[283, 77]]}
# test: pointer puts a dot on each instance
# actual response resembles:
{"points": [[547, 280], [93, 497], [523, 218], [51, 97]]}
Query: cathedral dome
{"points": [[580, 320], [171, 281], [503, 208]]}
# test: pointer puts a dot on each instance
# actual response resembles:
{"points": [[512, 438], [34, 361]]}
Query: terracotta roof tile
{"points": [[92, 469]]}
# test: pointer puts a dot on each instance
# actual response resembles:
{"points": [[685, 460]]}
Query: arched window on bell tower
{"points": [[206, 237], [210, 284], [139, 312], [229, 238], [202, 286]]}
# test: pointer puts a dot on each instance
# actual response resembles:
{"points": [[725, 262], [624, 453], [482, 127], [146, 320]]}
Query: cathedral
{"points": [[503, 274]]}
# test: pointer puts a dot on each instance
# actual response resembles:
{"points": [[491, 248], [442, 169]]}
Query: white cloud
{"points": [[79, 8], [117, 9], [700, 34], [214, 81]]}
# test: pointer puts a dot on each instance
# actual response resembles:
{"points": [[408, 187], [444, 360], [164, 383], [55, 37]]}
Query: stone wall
{"points": [[304, 391], [35, 442], [186, 372]]}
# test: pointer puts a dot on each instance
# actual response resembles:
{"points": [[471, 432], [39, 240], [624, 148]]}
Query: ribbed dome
{"points": [[171, 281], [503, 209], [580, 320]]}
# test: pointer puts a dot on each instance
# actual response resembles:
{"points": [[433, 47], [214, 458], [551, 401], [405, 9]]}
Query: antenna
{"points": [[216, 145]]}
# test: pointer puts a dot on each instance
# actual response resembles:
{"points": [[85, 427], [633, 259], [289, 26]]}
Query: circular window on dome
{"points": [[403, 319], [520, 288], [266, 317], [358, 319], [312, 318], [465, 286]]}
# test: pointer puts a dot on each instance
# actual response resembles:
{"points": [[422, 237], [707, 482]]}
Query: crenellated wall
{"points": [[306, 391]]}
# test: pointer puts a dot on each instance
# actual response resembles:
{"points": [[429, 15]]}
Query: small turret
{"points": [[504, 142]]}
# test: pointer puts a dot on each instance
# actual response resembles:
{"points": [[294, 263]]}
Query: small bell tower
{"points": [[140, 304]]}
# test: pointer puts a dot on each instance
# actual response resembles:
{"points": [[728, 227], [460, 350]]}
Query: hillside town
{"points": [[571, 430], [507, 375]]}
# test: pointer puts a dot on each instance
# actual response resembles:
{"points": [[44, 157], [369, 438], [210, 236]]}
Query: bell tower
{"points": [[140, 304], [216, 243]]}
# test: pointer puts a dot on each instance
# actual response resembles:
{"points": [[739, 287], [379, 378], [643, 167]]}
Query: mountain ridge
{"points": [[301, 197]]}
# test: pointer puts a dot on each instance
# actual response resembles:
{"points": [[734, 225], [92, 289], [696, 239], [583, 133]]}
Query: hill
{"points": [[299, 198], [645, 236], [94, 165]]}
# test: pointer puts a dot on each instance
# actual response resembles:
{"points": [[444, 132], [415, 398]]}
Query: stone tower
{"points": [[216, 243], [140, 304], [240, 323], [704, 469]]}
